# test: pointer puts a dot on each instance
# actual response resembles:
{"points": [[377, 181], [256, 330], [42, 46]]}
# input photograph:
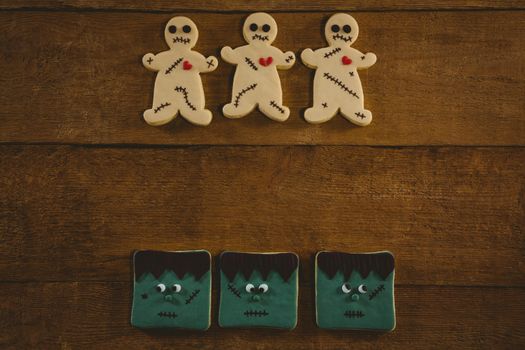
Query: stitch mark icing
{"points": [[210, 63], [339, 36], [234, 290], [352, 74], [276, 106], [185, 95], [174, 65], [376, 291], [340, 84], [162, 106], [242, 92], [362, 57], [288, 59], [250, 63], [192, 296], [324, 104], [149, 60], [167, 314], [354, 314], [256, 313], [179, 39], [331, 53], [360, 115], [260, 37]]}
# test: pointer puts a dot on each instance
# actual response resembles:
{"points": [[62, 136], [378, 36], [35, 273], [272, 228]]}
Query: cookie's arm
{"points": [[151, 62], [285, 60], [206, 64], [230, 55], [310, 58], [366, 60]]}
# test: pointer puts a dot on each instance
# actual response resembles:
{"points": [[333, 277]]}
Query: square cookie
{"points": [[171, 289], [258, 290], [355, 291]]}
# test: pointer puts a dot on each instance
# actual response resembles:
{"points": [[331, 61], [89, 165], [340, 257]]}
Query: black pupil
{"points": [[347, 28], [186, 29], [364, 288], [174, 288], [252, 289], [261, 289], [159, 289], [335, 28], [253, 27], [266, 28], [172, 29], [347, 286]]}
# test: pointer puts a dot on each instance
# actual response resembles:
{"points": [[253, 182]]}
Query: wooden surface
{"points": [[438, 177]]}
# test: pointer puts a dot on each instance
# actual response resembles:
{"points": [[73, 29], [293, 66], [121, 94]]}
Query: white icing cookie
{"points": [[178, 86], [256, 81], [337, 86]]}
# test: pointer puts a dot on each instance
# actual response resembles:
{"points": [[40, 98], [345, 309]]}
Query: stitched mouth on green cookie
{"points": [[167, 314], [354, 314], [256, 313]]}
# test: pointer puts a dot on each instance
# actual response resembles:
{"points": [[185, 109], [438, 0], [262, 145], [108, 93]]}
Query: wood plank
{"points": [[77, 78], [78, 315], [452, 216], [262, 5]]}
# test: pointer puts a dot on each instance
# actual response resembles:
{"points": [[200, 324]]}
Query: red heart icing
{"points": [[265, 61], [346, 60], [186, 65]]}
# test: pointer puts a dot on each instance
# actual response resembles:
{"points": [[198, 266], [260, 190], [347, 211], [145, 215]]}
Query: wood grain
{"points": [[262, 5], [96, 315], [77, 78], [452, 216]]}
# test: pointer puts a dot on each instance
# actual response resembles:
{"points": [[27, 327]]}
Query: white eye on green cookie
{"points": [[263, 288]]}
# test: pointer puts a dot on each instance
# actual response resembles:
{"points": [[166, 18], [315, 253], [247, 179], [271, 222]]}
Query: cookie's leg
{"points": [[242, 101], [201, 117], [163, 111], [361, 117], [321, 112], [274, 110]]}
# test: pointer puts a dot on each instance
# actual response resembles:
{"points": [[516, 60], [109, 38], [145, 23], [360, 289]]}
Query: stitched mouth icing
{"points": [[255, 313], [179, 39], [260, 37], [167, 314], [341, 37], [354, 314]]}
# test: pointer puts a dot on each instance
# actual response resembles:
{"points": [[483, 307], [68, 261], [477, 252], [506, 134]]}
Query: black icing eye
{"points": [[335, 28], [347, 28], [172, 29], [186, 29], [160, 287], [362, 289], [266, 28], [346, 288], [250, 288], [253, 27], [263, 288]]}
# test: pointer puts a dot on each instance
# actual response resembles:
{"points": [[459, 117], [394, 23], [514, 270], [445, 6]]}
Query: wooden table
{"points": [[438, 178]]}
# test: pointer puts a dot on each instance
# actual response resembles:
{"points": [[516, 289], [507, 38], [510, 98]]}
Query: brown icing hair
{"points": [[283, 263], [156, 262], [331, 262]]}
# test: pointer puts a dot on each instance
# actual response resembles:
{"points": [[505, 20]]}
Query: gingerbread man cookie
{"points": [[256, 81], [178, 86], [337, 86]]}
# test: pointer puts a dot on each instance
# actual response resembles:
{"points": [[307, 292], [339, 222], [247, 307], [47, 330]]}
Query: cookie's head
{"points": [[260, 28], [258, 290], [171, 289], [181, 32], [341, 29]]}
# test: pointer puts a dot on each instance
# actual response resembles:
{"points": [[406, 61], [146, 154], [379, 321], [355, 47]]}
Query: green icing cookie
{"points": [[258, 290], [355, 291], [171, 289]]}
